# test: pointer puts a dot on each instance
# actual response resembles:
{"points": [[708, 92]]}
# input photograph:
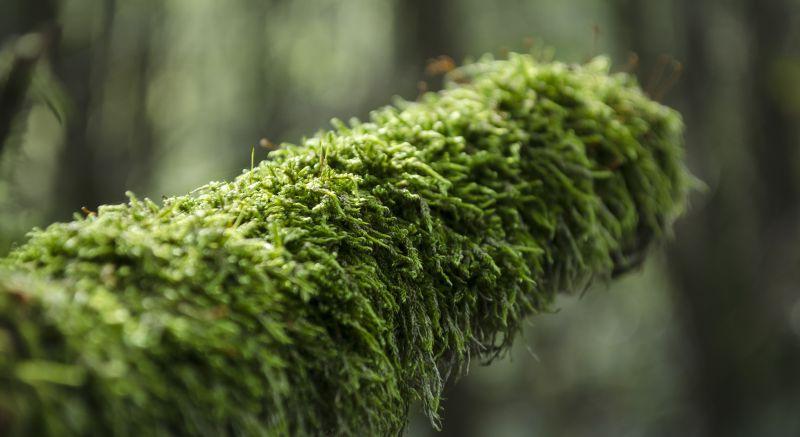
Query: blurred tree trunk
{"points": [[142, 147], [37, 16], [109, 140], [273, 84], [82, 69], [120, 132], [631, 17], [731, 262], [423, 30], [700, 261], [21, 16]]}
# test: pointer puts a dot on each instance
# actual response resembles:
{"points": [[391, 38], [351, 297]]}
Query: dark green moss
{"points": [[345, 278]]}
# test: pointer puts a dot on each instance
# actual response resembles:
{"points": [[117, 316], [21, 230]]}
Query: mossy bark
{"points": [[345, 278]]}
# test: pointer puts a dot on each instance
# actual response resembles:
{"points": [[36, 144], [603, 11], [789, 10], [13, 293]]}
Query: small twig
{"points": [[422, 88], [675, 74], [267, 144], [528, 42], [657, 74], [252, 161], [632, 64], [595, 39], [440, 65]]}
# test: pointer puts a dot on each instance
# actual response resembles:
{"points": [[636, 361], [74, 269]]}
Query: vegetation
{"points": [[343, 279]]}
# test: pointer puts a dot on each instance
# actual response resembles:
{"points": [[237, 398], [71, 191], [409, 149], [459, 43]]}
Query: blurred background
{"points": [[160, 96]]}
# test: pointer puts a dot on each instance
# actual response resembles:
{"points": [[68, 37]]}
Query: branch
{"points": [[342, 280]]}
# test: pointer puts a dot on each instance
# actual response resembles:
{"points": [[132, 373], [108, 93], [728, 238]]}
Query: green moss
{"points": [[343, 279]]}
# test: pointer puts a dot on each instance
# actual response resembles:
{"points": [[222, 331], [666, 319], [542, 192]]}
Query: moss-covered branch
{"points": [[345, 278]]}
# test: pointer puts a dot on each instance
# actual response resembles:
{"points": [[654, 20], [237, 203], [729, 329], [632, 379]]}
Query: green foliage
{"points": [[343, 279]]}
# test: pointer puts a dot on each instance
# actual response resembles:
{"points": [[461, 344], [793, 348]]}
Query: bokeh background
{"points": [[160, 96]]}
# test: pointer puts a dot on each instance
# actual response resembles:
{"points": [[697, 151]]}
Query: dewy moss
{"points": [[345, 278]]}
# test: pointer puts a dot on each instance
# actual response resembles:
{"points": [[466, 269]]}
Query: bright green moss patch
{"points": [[345, 278]]}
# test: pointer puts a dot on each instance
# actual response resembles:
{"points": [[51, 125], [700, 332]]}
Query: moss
{"points": [[345, 278]]}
